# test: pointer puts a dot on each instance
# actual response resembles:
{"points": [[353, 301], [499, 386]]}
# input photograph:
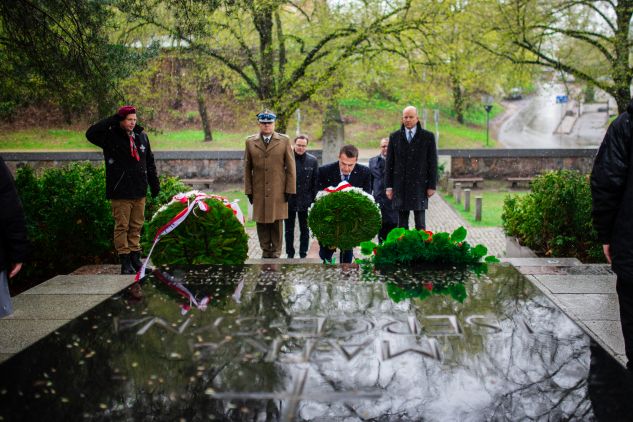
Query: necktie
{"points": [[409, 135], [133, 150], [346, 177], [266, 140]]}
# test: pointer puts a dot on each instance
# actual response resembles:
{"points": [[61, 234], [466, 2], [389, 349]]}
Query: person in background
{"points": [[307, 168], [377, 168], [612, 212], [269, 180], [130, 168], [411, 169], [13, 240], [346, 169]]}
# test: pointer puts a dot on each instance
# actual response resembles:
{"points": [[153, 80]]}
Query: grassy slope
{"points": [[367, 122]]}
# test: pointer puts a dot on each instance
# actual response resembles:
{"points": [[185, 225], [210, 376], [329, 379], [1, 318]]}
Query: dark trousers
{"points": [[270, 235], [389, 221], [625, 299], [327, 253], [304, 233], [418, 215]]}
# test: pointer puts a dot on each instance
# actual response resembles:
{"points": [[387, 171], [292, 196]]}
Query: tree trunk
{"points": [[176, 73], [263, 20], [458, 99], [333, 133], [621, 69], [204, 116]]}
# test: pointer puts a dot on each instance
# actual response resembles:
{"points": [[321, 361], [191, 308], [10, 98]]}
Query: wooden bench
{"points": [[515, 181], [195, 183], [471, 180]]}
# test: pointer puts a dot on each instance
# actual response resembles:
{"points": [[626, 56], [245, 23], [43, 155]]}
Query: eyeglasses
{"points": [[266, 123]]}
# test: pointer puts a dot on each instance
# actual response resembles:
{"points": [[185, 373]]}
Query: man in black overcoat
{"points": [[411, 169], [307, 168], [345, 169], [612, 213], [388, 213]]}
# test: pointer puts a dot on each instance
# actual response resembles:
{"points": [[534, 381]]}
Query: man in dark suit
{"points": [[344, 170], [377, 168], [411, 169], [307, 168]]}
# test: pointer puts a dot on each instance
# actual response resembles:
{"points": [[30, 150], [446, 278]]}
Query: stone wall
{"points": [[227, 166], [221, 166], [502, 163]]}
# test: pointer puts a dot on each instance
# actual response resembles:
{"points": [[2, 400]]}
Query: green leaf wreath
{"points": [[344, 219], [420, 247], [213, 237]]}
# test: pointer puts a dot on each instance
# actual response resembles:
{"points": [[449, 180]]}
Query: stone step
{"points": [[46, 307]]}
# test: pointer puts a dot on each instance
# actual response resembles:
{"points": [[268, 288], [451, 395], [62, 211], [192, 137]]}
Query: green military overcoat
{"points": [[269, 175]]}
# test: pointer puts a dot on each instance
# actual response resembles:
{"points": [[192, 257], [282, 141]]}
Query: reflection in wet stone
{"points": [[318, 343]]}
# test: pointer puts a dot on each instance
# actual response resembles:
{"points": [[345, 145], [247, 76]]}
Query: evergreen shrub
{"points": [[554, 219], [69, 220]]}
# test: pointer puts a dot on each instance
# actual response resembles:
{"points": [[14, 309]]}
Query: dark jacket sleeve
{"points": [[431, 175], [366, 180], [323, 179], [609, 176], [152, 174], [98, 133], [12, 221], [315, 179], [389, 162], [372, 164]]}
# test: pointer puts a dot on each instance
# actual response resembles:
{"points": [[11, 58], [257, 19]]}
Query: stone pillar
{"points": [[457, 193], [467, 200], [478, 207]]}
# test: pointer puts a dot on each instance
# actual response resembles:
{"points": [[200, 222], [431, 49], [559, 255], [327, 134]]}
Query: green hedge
{"points": [[69, 220], [554, 219]]}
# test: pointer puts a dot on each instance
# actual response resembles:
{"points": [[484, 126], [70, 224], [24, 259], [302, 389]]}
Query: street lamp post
{"points": [[487, 100]]}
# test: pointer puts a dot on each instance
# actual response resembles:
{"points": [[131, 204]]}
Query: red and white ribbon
{"points": [[180, 288], [194, 199], [342, 187]]}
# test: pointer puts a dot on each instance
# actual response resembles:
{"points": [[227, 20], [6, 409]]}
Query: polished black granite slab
{"points": [[309, 342]]}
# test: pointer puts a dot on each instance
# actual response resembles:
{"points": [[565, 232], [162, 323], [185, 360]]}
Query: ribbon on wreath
{"points": [[193, 202], [343, 187]]}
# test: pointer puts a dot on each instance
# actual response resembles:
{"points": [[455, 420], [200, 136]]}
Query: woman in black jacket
{"points": [[130, 168]]}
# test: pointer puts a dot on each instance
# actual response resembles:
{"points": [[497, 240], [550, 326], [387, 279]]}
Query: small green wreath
{"points": [[344, 219], [212, 237]]}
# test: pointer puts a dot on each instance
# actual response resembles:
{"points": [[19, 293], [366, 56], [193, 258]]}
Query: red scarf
{"points": [[133, 150]]}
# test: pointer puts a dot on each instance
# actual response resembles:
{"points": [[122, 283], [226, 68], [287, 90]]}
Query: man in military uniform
{"points": [[130, 168], [269, 180]]}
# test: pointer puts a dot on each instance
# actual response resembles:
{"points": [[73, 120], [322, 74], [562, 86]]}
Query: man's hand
{"points": [[389, 193], [430, 192], [250, 198], [15, 269], [607, 252]]}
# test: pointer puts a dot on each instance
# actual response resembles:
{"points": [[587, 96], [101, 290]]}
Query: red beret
{"points": [[125, 110]]}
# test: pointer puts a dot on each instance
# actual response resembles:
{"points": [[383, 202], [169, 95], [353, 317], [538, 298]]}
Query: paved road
{"points": [[538, 122]]}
